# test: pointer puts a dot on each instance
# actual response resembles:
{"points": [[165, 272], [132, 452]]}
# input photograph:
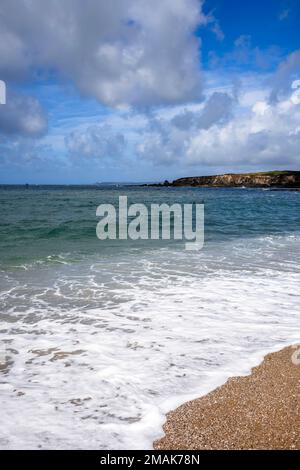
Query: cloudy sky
{"points": [[146, 90]]}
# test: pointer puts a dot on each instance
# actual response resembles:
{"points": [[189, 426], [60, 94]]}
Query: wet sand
{"points": [[259, 411]]}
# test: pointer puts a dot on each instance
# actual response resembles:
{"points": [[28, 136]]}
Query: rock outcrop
{"points": [[275, 179]]}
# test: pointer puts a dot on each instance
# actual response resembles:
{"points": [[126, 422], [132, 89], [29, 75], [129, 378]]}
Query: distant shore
{"points": [[259, 411], [271, 179]]}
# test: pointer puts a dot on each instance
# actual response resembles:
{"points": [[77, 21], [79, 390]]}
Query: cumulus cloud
{"points": [[22, 115], [184, 120], [268, 135], [168, 140], [224, 131], [97, 141], [137, 52], [225, 134], [287, 71], [217, 109], [144, 54], [24, 152]]}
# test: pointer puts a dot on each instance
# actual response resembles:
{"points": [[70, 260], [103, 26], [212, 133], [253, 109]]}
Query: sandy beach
{"points": [[259, 411]]}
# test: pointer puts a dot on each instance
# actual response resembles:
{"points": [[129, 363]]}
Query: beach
{"points": [[109, 336], [149, 227], [259, 411]]}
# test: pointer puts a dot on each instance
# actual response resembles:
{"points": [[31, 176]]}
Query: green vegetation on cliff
{"points": [[268, 179]]}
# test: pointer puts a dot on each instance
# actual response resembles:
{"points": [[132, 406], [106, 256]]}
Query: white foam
{"points": [[97, 356]]}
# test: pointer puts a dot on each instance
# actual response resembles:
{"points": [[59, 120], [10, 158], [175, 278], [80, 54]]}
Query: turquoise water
{"points": [[48, 222], [108, 336]]}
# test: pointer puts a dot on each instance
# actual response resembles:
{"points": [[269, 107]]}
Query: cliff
{"points": [[274, 179]]}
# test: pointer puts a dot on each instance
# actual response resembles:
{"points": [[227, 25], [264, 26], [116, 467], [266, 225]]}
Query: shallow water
{"points": [[100, 339]]}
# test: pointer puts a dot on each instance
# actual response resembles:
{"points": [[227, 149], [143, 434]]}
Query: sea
{"points": [[100, 339]]}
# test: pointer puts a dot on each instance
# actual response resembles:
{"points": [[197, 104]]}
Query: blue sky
{"points": [[132, 91], [268, 22]]}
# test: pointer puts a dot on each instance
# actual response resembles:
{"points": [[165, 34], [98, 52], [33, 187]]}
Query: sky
{"points": [[147, 90]]}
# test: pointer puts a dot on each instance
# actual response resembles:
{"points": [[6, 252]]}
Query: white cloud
{"points": [[266, 136], [97, 141], [288, 70], [22, 115], [227, 131], [167, 141], [137, 52], [144, 54], [295, 84], [226, 134], [261, 108]]}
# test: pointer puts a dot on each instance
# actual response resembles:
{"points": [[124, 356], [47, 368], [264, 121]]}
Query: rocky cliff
{"points": [[275, 179]]}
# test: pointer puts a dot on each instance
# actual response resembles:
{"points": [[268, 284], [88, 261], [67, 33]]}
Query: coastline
{"points": [[271, 179], [258, 411]]}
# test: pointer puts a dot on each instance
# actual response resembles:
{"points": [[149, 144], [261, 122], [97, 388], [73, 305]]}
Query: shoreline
{"points": [[257, 411], [269, 179]]}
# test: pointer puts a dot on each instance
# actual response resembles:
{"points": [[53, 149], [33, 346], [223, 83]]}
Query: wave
{"points": [[73, 330]]}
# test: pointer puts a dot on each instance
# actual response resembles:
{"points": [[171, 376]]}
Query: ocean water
{"points": [[98, 340]]}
